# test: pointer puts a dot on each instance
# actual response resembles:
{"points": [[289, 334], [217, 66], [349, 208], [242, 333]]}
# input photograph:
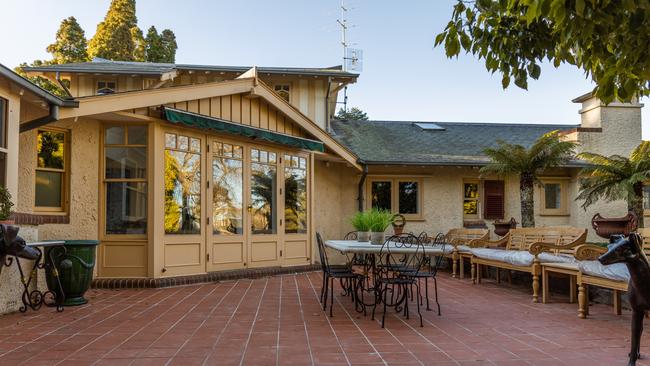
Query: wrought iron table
{"points": [[34, 299], [366, 292]]}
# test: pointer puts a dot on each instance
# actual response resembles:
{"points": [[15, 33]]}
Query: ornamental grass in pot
{"points": [[360, 223], [378, 221]]}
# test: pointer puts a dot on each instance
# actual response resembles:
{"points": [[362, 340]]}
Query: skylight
{"points": [[429, 126]]}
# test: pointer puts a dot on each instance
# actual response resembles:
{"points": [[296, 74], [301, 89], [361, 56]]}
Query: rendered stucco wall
{"points": [[83, 174]]}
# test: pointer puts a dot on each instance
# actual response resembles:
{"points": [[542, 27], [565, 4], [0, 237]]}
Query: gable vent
{"points": [[429, 126]]}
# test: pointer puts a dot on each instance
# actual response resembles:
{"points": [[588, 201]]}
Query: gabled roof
{"points": [[103, 66], [99, 104], [34, 89], [454, 143]]}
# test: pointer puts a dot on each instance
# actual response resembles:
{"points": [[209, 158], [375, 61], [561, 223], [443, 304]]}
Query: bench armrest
{"points": [[481, 243], [586, 252]]}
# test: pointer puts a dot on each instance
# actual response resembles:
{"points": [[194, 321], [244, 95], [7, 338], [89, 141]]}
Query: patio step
{"points": [[117, 283]]}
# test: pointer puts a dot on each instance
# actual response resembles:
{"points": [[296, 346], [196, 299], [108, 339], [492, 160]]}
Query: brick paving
{"points": [[278, 321]]}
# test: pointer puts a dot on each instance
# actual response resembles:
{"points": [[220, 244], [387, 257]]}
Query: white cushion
{"points": [[463, 248], [514, 257], [616, 271], [448, 248], [519, 257]]}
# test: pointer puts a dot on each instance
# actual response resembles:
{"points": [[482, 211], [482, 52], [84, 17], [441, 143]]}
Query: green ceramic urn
{"points": [[74, 267]]}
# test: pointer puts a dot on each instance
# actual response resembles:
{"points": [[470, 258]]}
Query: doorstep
{"points": [[117, 283]]}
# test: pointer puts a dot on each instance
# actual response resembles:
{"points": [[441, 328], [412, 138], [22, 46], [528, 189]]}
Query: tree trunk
{"points": [[526, 191], [635, 202]]}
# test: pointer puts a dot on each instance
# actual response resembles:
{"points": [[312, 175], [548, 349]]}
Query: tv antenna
{"points": [[352, 57]]}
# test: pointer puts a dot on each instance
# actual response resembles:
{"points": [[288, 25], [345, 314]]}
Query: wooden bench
{"points": [[612, 279], [460, 239], [524, 249]]}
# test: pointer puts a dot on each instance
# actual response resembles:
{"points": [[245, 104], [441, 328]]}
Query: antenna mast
{"points": [[344, 27]]}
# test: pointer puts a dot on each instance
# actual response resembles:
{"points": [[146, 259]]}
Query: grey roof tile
{"points": [[151, 68], [402, 142]]}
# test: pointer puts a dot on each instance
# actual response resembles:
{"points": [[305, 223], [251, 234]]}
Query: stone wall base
{"points": [[117, 283]]}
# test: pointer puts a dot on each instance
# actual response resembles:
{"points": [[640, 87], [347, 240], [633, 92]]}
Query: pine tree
{"points": [[114, 37], [153, 46], [169, 46], [70, 44], [139, 44]]}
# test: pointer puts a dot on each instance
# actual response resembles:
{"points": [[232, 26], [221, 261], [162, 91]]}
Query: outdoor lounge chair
{"points": [[524, 249]]}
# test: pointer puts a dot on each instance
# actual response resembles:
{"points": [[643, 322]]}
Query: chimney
{"points": [[609, 129]]}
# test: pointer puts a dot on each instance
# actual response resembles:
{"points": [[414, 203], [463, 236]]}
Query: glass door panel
{"points": [[263, 209], [227, 239], [264, 184]]}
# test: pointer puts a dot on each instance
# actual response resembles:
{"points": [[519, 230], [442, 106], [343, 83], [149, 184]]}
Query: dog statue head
{"points": [[12, 244], [623, 249]]}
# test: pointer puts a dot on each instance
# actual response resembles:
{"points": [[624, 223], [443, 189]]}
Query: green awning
{"points": [[219, 125]]}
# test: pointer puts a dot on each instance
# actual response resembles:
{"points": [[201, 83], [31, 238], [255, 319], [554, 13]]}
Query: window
{"points": [[4, 117], [106, 87], [646, 199], [493, 191], [227, 189], [471, 199], [182, 184], [125, 179], [396, 195], [295, 194], [51, 166], [284, 90], [553, 200]]}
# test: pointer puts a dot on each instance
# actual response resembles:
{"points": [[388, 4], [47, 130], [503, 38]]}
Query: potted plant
{"points": [[606, 227], [360, 223], [501, 228], [378, 222], [5, 206], [398, 223]]}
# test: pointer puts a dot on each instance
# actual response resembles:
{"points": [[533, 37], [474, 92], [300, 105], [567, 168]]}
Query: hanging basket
{"points": [[399, 221], [606, 227]]}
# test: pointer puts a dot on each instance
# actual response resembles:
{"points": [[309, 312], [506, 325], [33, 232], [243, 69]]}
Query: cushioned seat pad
{"points": [[519, 257], [616, 271]]}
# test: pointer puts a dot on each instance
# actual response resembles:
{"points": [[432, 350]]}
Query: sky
{"points": [[403, 78]]}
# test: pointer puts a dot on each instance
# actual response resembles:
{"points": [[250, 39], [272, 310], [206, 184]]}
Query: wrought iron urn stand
{"points": [[34, 299]]}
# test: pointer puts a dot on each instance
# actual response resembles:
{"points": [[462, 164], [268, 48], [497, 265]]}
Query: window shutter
{"points": [[494, 203]]}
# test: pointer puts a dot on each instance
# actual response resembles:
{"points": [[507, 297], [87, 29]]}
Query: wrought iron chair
{"points": [[429, 269], [329, 274], [397, 274]]}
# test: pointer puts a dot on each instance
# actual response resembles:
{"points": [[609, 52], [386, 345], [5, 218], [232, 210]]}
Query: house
{"points": [[184, 170]]}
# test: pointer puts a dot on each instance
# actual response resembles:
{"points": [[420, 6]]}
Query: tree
{"points": [[153, 46], [160, 47], [114, 38], [169, 46], [616, 177], [353, 114], [40, 81], [607, 39], [70, 44], [548, 151]]}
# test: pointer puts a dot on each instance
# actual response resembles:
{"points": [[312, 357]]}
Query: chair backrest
{"points": [[352, 235], [390, 256], [523, 238], [464, 236], [322, 253]]}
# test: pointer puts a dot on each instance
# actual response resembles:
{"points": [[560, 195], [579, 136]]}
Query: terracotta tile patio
{"points": [[277, 321]]}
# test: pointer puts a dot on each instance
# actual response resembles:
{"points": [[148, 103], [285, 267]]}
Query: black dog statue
{"points": [[630, 251], [12, 244]]}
